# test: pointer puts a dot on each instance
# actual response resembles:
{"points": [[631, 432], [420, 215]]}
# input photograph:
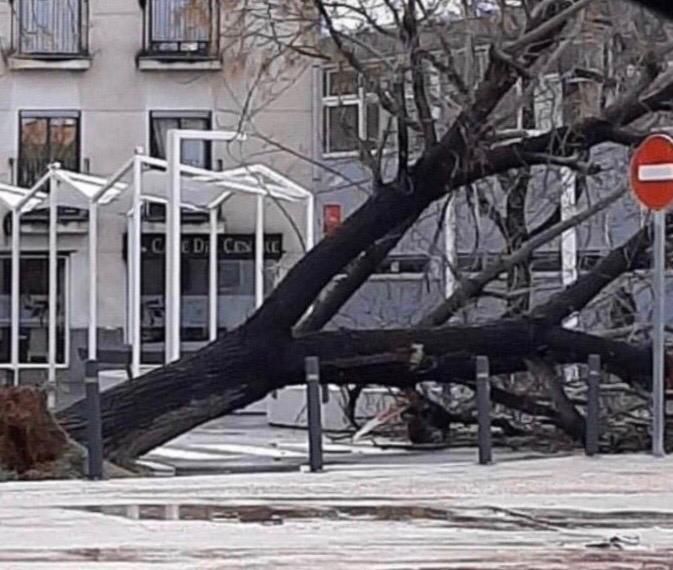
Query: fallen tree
{"points": [[266, 353]]}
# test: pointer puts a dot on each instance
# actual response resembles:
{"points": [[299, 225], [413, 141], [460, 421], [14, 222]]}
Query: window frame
{"points": [[47, 114], [83, 39], [213, 44], [67, 313], [360, 99], [180, 115]]}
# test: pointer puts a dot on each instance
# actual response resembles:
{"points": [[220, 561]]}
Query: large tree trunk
{"points": [[246, 364]]}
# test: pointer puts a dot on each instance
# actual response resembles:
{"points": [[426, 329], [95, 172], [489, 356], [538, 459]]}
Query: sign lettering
{"points": [[229, 246]]}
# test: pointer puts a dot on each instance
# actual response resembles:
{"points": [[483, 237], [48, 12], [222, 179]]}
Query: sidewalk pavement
{"points": [[570, 512], [246, 443]]}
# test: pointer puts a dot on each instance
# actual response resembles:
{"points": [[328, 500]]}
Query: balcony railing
{"points": [[181, 28], [51, 28]]}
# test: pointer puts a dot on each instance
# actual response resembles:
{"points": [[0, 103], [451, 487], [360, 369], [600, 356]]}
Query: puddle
{"points": [[475, 518], [266, 514]]}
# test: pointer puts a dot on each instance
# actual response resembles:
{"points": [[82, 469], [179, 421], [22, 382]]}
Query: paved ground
{"points": [[246, 443], [572, 512]]}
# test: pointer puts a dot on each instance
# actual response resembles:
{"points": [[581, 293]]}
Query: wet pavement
{"points": [[572, 512]]}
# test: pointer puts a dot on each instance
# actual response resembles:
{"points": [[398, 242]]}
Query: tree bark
{"points": [[246, 364]]}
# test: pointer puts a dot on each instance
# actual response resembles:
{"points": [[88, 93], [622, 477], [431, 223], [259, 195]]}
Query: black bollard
{"points": [[94, 424], [484, 410], [314, 413]]}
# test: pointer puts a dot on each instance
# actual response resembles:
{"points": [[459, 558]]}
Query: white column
{"points": [[569, 270], [15, 317], [173, 241], [310, 223], [93, 281], [129, 280], [135, 265], [53, 292], [450, 248], [259, 252], [212, 276]]}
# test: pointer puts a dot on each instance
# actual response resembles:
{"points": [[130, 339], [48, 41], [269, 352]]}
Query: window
{"points": [[47, 137], [194, 153], [349, 113], [51, 27], [235, 286], [34, 310], [181, 28]]}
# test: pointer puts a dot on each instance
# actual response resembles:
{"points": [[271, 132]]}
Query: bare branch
{"points": [[473, 286]]}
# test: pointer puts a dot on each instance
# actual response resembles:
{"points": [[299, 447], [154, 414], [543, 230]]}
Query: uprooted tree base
{"points": [[33, 445]]}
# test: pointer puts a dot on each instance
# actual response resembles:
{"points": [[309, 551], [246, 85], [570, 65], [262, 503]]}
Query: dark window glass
{"points": [[52, 27], [341, 128], [181, 27], [45, 138], [194, 153], [34, 310]]}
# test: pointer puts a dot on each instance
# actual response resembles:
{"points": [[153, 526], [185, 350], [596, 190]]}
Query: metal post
{"points": [[310, 222], [15, 294], [314, 413], [173, 242], [592, 419], [93, 276], [94, 424], [259, 252], [484, 410], [212, 274], [450, 280], [129, 280], [53, 290], [658, 348], [134, 256]]}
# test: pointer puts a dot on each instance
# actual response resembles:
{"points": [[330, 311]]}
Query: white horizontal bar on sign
{"points": [[655, 172]]}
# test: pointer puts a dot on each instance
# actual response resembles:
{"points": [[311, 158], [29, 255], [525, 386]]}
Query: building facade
{"points": [[85, 83]]}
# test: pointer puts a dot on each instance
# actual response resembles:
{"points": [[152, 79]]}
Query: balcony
{"points": [[180, 34], [50, 34]]}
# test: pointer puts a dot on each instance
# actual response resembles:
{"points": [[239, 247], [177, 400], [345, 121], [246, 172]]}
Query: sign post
{"points": [[652, 182]]}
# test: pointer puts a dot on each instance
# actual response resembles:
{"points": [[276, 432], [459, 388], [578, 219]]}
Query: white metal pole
{"points": [[569, 270], [450, 248], [93, 281], [310, 222], [53, 291], [15, 311], [658, 411], [212, 276], [259, 252], [173, 242], [129, 280], [135, 264]]}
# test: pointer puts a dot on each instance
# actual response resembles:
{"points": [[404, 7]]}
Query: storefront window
{"points": [[235, 279], [34, 311]]}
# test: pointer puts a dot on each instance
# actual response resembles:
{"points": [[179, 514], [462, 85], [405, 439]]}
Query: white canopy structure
{"points": [[202, 190], [179, 187], [67, 189]]}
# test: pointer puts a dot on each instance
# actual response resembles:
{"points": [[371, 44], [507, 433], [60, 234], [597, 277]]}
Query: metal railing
{"points": [[51, 27], [181, 28]]}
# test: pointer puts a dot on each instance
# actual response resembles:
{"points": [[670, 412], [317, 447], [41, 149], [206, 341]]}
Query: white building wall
{"points": [[114, 98]]}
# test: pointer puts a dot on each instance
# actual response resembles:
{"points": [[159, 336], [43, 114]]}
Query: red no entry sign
{"points": [[652, 172]]}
